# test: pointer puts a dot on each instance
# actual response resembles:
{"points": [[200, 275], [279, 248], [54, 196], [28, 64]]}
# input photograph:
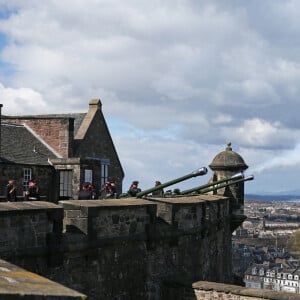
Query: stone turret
{"points": [[226, 164]]}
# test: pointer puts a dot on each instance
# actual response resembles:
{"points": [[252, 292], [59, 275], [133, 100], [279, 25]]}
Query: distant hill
{"points": [[274, 197]]}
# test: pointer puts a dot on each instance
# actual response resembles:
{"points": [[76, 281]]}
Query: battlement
{"points": [[124, 248], [88, 245], [29, 228]]}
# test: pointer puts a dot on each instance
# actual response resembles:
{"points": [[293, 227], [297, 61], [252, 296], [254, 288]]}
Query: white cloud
{"points": [[18, 101], [199, 72], [261, 133]]}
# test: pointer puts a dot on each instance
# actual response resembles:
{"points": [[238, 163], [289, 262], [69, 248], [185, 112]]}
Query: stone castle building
{"points": [[132, 248], [60, 151]]}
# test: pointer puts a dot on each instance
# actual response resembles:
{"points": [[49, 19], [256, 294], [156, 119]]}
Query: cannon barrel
{"points": [[199, 172], [198, 188], [224, 184]]}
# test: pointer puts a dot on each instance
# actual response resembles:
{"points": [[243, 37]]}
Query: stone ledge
{"points": [[187, 212], [242, 291], [108, 203], [26, 206], [17, 283], [188, 199]]}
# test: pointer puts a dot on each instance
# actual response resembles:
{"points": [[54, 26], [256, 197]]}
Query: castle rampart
{"points": [[121, 248], [126, 248]]}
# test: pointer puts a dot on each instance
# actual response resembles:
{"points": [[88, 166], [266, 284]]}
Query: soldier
{"points": [[104, 191], [85, 193], [158, 193], [134, 189], [113, 189], [92, 189], [11, 191], [32, 194]]}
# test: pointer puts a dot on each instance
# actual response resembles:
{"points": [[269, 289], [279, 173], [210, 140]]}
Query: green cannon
{"points": [[206, 188], [199, 172], [208, 185]]}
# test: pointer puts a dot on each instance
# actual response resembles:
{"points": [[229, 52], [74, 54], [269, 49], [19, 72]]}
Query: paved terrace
{"points": [[17, 283]]}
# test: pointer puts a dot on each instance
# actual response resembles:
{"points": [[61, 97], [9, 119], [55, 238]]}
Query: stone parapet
{"points": [[120, 248], [30, 228], [203, 290], [192, 212], [102, 219]]}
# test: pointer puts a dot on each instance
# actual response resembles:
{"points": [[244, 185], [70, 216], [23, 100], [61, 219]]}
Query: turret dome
{"points": [[228, 160]]}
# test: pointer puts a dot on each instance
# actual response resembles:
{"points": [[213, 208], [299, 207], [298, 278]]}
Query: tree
{"points": [[294, 244]]}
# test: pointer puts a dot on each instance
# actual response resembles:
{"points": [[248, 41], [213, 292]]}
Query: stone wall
{"points": [[211, 290], [43, 174], [128, 248], [30, 229], [120, 249], [94, 131]]}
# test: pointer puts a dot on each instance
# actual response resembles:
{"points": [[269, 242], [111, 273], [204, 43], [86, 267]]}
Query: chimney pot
{"points": [[95, 102]]}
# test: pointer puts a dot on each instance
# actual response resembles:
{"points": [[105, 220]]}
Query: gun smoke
{"points": [[286, 159]]}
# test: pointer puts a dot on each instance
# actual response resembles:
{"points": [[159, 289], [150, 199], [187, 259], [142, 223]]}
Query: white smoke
{"points": [[287, 159]]}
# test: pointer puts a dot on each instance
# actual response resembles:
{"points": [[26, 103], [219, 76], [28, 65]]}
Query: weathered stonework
{"points": [[127, 249], [43, 173], [58, 160], [19, 284], [204, 290], [122, 249]]}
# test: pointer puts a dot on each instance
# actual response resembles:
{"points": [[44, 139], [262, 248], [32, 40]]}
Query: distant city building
{"points": [[276, 278]]}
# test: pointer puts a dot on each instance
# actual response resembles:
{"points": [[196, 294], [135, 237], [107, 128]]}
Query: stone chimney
{"points": [[94, 106]]}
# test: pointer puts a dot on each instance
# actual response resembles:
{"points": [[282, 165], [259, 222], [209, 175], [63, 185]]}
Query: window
{"points": [[27, 176], [65, 184], [261, 271], [88, 175], [104, 171]]}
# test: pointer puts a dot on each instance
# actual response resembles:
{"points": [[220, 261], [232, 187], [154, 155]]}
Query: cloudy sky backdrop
{"points": [[177, 79]]}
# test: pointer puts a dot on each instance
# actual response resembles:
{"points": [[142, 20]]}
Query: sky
{"points": [[177, 79]]}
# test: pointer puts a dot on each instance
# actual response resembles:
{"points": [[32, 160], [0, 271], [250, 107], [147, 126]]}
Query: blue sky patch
{"points": [[6, 69], [3, 41], [5, 12]]}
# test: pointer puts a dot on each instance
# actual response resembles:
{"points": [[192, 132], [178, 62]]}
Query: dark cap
{"points": [[135, 182]]}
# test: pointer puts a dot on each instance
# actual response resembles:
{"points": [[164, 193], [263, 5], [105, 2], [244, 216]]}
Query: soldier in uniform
{"points": [[85, 193], [158, 193], [134, 189], [32, 194], [11, 191]]}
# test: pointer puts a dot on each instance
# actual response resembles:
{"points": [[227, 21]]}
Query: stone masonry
{"points": [[119, 249], [128, 248]]}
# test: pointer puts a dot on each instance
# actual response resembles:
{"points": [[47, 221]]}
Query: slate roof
{"points": [[19, 145], [78, 118]]}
